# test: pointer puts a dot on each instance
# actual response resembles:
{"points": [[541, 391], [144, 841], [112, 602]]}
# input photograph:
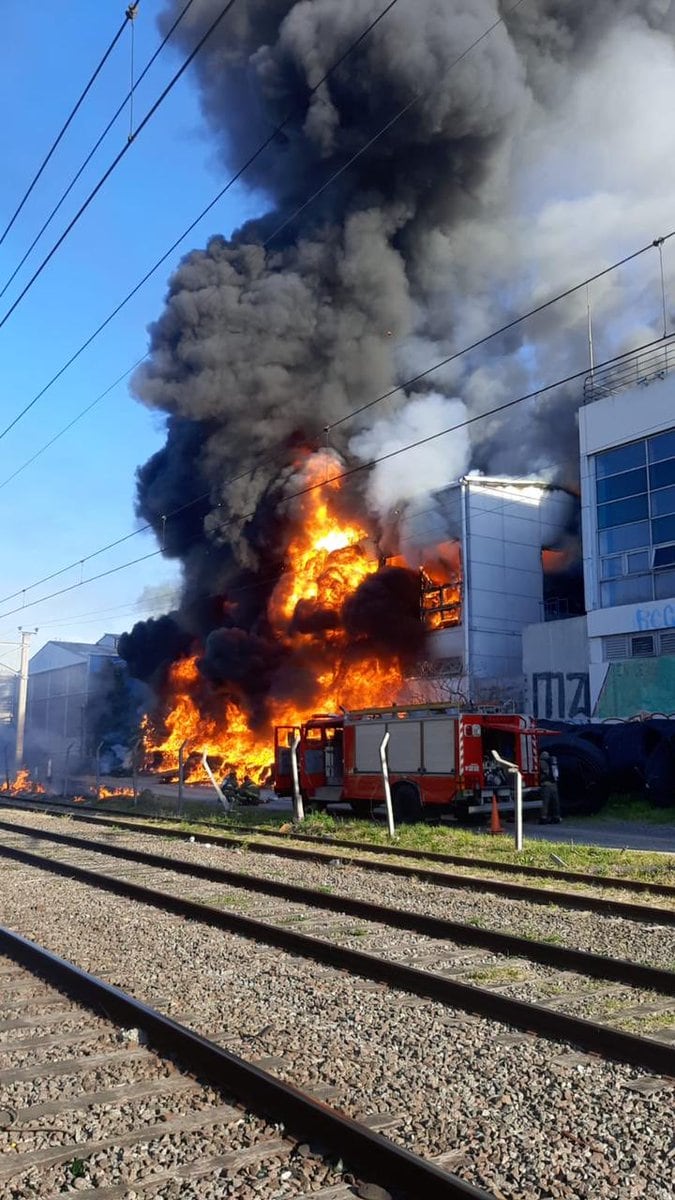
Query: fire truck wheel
{"points": [[405, 801]]}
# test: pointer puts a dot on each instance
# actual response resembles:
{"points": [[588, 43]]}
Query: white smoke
{"points": [[425, 469]]}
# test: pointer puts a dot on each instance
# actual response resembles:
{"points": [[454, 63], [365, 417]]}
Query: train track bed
{"points": [[88, 1109], [307, 848], [525, 1117], [608, 1001], [648, 942]]}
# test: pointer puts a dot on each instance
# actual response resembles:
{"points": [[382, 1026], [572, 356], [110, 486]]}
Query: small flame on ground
{"points": [[22, 783]]}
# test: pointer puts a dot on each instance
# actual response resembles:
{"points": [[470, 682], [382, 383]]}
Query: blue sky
{"points": [[79, 494]]}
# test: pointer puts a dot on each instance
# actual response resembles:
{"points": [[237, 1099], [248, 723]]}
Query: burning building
{"points": [[281, 354]]}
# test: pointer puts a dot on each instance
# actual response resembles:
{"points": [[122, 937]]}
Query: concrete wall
{"points": [[506, 529], [556, 670]]}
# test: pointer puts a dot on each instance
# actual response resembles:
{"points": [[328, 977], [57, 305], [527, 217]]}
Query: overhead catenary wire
{"points": [[279, 128], [407, 383], [384, 129], [128, 100], [116, 161], [67, 122], [193, 224], [83, 412], [542, 390]]}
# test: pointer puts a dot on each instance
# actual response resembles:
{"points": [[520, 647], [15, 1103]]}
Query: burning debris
{"points": [[22, 784], [336, 628], [269, 339]]}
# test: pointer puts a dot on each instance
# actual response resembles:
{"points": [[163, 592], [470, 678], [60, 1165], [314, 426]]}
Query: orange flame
{"points": [[22, 783], [328, 558]]}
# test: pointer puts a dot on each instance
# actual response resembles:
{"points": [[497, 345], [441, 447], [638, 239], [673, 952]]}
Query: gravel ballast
{"points": [[527, 1118]]}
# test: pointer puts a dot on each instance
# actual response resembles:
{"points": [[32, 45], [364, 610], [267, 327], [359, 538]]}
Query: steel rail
{"points": [[611, 882], [482, 864], [646, 1053], [562, 957], [389, 1163], [499, 887]]}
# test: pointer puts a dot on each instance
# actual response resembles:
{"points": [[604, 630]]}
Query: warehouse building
{"points": [[62, 677]]}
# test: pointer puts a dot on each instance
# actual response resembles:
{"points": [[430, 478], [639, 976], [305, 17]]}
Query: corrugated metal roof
{"points": [[86, 648]]}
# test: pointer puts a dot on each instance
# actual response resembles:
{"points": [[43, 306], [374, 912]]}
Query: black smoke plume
{"points": [[426, 241]]}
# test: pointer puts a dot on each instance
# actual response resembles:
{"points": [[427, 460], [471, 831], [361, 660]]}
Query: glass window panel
{"points": [[663, 473], [626, 537], [663, 502], [630, 483], [664, 584], [624, 458], [620, 512], [662, 446], [626, 591], [612, 568], [663, 530], [663, 557], [638, 561]]}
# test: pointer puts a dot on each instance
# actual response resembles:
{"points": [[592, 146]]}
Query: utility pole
{"points": [[26, 635]]}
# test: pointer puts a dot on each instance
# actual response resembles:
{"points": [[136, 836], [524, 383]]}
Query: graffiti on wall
{"points": [[560, 696], [655, 617]]}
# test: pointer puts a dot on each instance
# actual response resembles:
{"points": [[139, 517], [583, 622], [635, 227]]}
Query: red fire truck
{"points": [[439, 759]]}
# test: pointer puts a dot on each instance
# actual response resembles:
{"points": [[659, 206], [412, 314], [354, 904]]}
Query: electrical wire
{"points": [[388, 125], [127, 100], [116, 161], [64, 127], [346, 474], [193, 224], [74, 421]]}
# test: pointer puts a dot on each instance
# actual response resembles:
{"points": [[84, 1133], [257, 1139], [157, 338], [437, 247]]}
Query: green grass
{"points": [[596, 861]]}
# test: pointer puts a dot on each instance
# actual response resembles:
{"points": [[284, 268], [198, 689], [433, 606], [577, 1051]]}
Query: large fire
{"points": [[327, 560]]}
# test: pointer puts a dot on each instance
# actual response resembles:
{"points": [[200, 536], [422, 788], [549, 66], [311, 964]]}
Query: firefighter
{"points": [[548, 774]]}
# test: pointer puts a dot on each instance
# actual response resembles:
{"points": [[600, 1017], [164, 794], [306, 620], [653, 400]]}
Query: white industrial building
{"points": [[626, 643], [500, 526], [61, 680]]}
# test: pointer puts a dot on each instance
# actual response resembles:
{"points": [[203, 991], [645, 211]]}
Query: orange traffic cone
{"points": [[495, 822]]}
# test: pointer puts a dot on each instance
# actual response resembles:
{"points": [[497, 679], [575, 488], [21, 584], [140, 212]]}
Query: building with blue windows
{"points": [[627, 449]]}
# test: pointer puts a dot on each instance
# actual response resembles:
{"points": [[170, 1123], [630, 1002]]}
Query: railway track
{"points": [[133, 1101], [576, 899], [455, 978], [427, 1018]]}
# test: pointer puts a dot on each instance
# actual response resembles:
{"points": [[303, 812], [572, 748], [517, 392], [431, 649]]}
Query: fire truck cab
{"points": [[439, 760]]}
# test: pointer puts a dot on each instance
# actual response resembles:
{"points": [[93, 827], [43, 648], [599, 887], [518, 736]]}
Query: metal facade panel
{"points": [[368, 736], [439, 747], [405, 746]]}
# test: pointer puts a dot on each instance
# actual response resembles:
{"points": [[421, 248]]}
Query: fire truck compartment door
{"points": [[439, 747], [367, 751], [405, 746]]}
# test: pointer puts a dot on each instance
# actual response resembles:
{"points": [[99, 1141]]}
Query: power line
{"points": [[387, 126], [355, 412], [533, 312], [346, 474], [74, 421], [127, 99], [118, 158], [407, 383], [186, 232], [81, 583], [55, 143]]}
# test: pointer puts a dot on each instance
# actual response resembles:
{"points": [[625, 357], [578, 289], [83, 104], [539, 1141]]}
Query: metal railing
{"points": [[635, 370]]}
